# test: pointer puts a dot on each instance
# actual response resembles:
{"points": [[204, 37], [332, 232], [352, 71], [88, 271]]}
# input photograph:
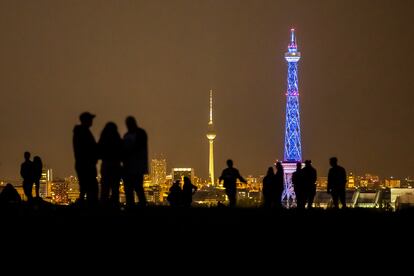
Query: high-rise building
{"points": [[59, 191], [158, 171], [351, 181], [46, 183], [152, 191], [72, 188], [211, 135], [293, 148], [180, 173]]}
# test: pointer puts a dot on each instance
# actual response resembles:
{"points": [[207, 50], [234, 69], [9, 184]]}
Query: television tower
{"points": [[293, 148], [211, 135]]}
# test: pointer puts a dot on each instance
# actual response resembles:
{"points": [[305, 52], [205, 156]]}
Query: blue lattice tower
{"points": [[293, 148]]}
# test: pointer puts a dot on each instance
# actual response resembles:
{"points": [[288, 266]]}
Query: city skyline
{"points": [[142, 59]]}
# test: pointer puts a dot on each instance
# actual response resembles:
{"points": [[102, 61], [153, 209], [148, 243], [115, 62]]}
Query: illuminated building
{"points": [[45, 183], [153, 194], [293, 148], [159, 184], [368, 181], [59, 192], [152, 191], [364, 198], [198, 181], [168, 180], [253, 183], [72, 188], [409, 183], [392, 183], [351, 181], [122, 192], [322, 183], [180, 173], [158, 171], [211, 135], [399, 192]]}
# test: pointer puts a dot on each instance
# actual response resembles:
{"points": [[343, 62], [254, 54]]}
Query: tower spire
{"points": [[210, 122]]}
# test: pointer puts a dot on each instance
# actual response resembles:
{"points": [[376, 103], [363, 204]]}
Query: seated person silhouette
{"points": [[174, 197], [9, 195]]}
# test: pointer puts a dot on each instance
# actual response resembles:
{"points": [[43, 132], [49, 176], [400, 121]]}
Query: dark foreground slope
{"points": [[91, 224], [209, 235]]}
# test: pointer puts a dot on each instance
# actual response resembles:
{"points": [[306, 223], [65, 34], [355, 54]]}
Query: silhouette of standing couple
{"points": [[31, 172]]}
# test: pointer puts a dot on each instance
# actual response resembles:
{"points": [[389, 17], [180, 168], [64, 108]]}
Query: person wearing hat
{"points": [[309, 176], [86, 157]]}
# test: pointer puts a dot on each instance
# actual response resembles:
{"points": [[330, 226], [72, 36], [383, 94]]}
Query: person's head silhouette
{"points": [[308, 163], [37, 159], [131, 123], [187, 180], [333, 161], [298, 166], [110, 130], [230, 163], [26, 155], [279, 166], [270, 171], [86, 119]]}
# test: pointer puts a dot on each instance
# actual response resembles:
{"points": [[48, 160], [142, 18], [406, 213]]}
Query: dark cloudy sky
{"points": [[157, 60]]}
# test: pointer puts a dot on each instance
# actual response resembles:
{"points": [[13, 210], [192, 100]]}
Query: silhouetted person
{"points": [[135, 162], [230, 176], [174, 196], [37, 173], [309, 181], [188, 190], [279, 185], [336, 182], [110, 151], [9, 195], [86, 157], [298, 186], [268, 188], [27, 173]]}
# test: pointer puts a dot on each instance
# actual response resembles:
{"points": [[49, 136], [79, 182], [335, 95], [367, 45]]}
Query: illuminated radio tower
{"points": [[293, 149], [211, 135]]}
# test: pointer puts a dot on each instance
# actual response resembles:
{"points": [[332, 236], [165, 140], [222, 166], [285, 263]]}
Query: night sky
{"points": [[157, 60]]}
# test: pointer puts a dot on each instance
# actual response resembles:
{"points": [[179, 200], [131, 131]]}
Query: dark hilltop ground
{"points": [[74, 234], [91, 224]]}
